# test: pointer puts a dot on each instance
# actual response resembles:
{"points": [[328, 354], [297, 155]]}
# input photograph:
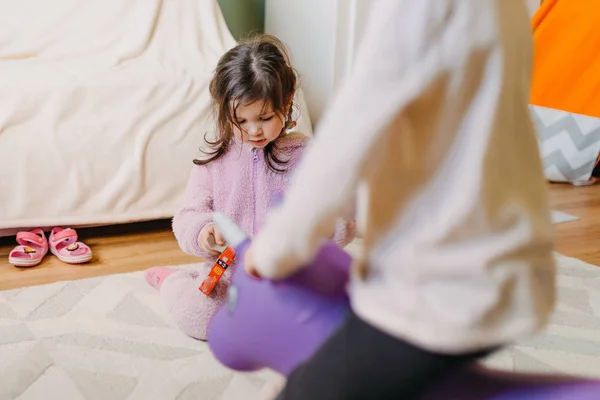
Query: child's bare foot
{"points": [[157, 275]]}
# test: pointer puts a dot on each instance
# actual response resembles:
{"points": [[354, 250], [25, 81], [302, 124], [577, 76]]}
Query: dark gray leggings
{"points": [[360, 362]]}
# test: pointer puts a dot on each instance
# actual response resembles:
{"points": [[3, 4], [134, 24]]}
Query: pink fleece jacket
{"points": [[240, 185]]}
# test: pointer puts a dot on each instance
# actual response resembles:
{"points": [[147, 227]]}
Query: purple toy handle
{"points": [[280, 324], [328, 274]]}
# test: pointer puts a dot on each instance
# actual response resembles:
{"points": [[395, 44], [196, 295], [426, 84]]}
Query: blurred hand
{"points": [[249, 263]]}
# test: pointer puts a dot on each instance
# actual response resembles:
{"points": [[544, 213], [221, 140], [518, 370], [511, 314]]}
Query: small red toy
{"points": [[225, 260]]}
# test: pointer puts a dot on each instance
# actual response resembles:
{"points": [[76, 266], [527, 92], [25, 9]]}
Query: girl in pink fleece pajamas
{"points": [[252, 90]]}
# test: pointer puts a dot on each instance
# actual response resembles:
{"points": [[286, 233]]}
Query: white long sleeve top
{"points": [[433, 126]]}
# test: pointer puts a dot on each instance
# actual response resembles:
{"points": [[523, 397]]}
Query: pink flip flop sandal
{"points": [[64, 245], [32, 248]]}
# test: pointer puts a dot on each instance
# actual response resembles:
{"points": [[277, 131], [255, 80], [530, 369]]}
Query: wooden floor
{"points": [[139, 246], [579, 239], [116, 249]]}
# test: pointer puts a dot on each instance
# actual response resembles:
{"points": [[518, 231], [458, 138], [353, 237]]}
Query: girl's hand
{"points": [[249, 263], [209, 236]]}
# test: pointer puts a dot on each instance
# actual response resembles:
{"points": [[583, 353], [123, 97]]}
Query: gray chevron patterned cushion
{"points": [[569, 144]]}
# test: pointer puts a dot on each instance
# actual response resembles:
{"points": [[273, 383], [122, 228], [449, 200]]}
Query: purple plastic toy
{"points": [[279, 325]]}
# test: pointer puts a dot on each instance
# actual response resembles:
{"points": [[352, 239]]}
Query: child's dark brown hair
{"points": [[257, 69]]}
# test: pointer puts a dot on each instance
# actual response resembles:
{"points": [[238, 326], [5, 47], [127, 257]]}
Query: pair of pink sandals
{"points": [[63, 243]]}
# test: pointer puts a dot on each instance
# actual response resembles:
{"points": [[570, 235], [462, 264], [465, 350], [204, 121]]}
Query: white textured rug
{"points": [[571, 343], [110, 338], [106, 338]]}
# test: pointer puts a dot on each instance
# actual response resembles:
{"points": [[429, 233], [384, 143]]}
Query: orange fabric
{"points": [[566, 73]]}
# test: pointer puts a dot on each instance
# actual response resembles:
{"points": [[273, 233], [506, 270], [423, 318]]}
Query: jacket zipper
{"points": [[254, 162]]}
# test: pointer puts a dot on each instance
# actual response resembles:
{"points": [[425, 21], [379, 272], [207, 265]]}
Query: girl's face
{"points": [[259, 122]]}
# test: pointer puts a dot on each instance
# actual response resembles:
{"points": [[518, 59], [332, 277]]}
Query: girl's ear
{"points": [[290, 125]]}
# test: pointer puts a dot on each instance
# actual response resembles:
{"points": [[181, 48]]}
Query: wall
{"points": [[307, 28], [532, 6], [243, 16], [321, 35]]}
